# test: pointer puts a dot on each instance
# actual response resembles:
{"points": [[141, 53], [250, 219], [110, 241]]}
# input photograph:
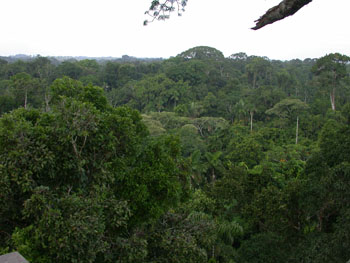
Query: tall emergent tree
{"points": [[289, 108], [331, 71]]}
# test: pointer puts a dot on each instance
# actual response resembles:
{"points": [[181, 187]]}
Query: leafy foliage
{"points": [[210, 172]]}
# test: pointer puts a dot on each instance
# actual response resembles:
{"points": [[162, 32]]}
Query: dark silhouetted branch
{"points": [[279, 12]]}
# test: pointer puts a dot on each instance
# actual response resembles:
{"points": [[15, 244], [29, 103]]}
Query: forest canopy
{"points": [[196, 158]]}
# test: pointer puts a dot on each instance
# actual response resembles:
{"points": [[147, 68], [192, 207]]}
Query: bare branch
{"points": [[279, 12], [160, 10]]}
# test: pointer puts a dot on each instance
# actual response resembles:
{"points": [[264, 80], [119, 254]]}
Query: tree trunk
{"points": [[213, 177], [47, 100], [251, 120], [254, 79], [25, 98], [332, 97], [297, 131]]}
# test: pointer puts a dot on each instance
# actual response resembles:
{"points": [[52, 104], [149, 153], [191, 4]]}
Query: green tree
{"points": [[41, 68], [67, 87], [331, 71], [91, 72], [202, 53], [259, 71], [3, 68], [327, 203], [69, 69], [26, 90], [7, 98], [64, 196], [69, 228], [175, 238], [245, 150], [289, 108]]}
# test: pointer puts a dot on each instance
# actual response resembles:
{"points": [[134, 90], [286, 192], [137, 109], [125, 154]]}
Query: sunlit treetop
{"points": [[202, 52]]}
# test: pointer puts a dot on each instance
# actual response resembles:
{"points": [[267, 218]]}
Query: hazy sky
{"points": [[115, 28]]}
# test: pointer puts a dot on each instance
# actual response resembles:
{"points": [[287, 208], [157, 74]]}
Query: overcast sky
{"points": [[115, 28]]}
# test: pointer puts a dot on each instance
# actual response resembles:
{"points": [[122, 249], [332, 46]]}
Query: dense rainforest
{"points": [[195, 158]]}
